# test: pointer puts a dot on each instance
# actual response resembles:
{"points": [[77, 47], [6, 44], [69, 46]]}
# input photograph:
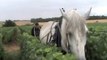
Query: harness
{"points": [[48, 34], [56, 38]]}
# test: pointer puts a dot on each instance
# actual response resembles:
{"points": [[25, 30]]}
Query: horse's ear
{"points": [[62, 11], [63, 14], [86, 15]]}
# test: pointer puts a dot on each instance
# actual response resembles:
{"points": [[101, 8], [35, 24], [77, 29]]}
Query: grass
{"points": [[0, 25], [98, 26]]}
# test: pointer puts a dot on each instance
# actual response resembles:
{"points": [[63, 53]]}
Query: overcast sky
{"points": [[27, 9]]}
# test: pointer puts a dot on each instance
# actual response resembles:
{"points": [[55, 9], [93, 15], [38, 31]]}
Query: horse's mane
{"points": [[75, 21]]}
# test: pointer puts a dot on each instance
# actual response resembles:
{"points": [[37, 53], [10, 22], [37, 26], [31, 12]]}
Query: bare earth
{"points": [[97, 21], [12, 47], [20, 23], [23, 22]]}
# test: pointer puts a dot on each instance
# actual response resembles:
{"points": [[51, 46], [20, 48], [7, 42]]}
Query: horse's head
{"points": [[73, 32]]}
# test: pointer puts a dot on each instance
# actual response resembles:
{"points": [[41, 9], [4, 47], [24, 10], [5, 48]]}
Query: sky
{"points": [[27, 9]]}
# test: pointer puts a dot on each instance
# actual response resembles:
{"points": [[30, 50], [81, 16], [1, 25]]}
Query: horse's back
{"points": [[45, 30]]}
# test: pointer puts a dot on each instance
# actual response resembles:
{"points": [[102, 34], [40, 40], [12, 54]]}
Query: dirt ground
{"points": [[11, 51], [23, 22], [97, 21], [20, 23], [11, 47]]}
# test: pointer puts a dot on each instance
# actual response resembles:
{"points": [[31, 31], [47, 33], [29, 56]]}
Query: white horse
{"points": [[73, 33], [47, 31]]}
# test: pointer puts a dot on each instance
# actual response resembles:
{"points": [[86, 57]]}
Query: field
{"points": [[18, 44], [23, 22], [97, 21], [19, 23]]}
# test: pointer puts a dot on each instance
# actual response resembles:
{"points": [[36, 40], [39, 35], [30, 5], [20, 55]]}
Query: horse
{"points": [[35, 31], [47, 31], [73, 32]]}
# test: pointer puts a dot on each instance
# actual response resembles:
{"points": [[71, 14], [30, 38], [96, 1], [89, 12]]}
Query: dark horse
{"points": [[35, 30]]}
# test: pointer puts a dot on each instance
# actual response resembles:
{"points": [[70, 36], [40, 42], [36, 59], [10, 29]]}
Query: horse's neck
{"points": [[63, 28]]}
